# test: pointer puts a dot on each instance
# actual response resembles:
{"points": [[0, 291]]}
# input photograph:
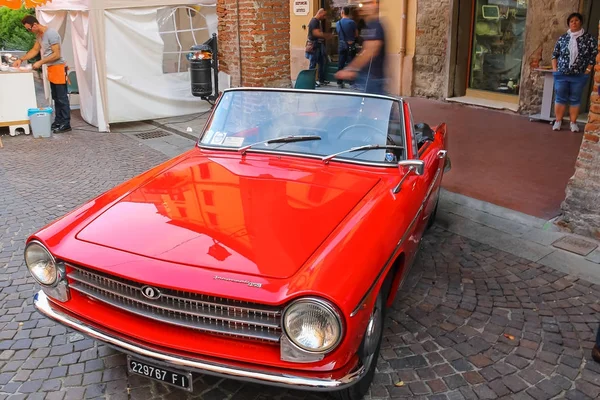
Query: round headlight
{"points": [[41, 264], [313, 325]]}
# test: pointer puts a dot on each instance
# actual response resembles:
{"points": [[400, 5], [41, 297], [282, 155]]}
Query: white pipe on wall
{"points": [[403, 23]]}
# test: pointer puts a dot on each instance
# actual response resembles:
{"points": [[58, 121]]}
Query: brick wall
{"points": [[264, 42], [228, 46], [581, 208]]}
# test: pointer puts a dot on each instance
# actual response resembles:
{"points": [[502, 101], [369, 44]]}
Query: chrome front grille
{"points": [[189, 310]]}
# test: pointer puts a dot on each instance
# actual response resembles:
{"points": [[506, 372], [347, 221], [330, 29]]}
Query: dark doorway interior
{"points": [[334, 11], [488, 47], [462, 37], [334, 14]]}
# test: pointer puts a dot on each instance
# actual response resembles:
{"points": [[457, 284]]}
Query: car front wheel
{"points": [[369, 350]]}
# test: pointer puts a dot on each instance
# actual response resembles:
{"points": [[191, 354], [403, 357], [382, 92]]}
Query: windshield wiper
{"points": [[367, 147], [281, 139]]}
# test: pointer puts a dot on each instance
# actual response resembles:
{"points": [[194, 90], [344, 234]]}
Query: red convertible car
{"points": [[267, 253]]}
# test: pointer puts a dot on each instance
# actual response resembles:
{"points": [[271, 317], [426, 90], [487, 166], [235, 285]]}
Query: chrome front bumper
{"points": [[42, 303]]}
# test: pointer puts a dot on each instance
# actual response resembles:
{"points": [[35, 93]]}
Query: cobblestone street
{"points": [[471, 322]]}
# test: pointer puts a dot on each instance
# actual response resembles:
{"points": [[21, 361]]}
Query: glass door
{"points": [[334, 14], [497, 45]]}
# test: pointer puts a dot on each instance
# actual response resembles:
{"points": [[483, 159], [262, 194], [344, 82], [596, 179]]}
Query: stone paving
{"points": [[472, 322]]}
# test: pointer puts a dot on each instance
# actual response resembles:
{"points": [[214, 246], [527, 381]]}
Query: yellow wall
{"points": [[390, 14], [298, 38]]}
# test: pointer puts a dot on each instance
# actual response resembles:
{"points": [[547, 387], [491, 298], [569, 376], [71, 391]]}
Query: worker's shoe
{"points": [[61, 129]]}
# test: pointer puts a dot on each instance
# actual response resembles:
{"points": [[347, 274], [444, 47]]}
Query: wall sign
{"points": [[301, 7]]}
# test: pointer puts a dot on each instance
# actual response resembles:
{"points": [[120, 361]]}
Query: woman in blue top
{"points": [[573, 59]]}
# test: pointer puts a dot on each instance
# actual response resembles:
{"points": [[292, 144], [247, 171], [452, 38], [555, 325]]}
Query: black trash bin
{"points": [[200, 59]]}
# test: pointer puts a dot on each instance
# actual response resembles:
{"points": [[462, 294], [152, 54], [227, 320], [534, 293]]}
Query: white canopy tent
{"points": [[129, 55]]}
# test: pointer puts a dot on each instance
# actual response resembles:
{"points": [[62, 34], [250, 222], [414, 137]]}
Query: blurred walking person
{"points": [[368, 67]]}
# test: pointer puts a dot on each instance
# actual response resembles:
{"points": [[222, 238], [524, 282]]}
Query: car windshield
{"points": [[308, 123]]}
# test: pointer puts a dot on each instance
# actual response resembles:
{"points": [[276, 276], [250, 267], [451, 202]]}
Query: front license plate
{"points": [[182, 380]]}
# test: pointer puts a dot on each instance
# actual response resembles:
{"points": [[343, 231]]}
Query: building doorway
{"points": [[334, 11], [497, 46], [488, 50], [334, 14]]}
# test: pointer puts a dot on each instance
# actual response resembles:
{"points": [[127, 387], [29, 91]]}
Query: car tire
{"points": [[373, 346]]}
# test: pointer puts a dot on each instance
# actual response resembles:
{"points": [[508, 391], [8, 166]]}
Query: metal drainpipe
{"points": [[239, 41], [403, 7]]}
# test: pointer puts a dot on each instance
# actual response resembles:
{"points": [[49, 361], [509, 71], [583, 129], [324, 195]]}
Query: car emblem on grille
{"points": [[150, 292]]}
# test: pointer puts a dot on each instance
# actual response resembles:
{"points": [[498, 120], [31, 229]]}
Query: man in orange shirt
{"points": [[48, 43]]}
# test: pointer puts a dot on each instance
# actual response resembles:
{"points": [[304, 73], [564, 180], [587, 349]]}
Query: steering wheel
{"points": [[358, 126]]}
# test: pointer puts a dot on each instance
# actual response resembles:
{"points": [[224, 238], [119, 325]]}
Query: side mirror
{"points": [[416, 166]]}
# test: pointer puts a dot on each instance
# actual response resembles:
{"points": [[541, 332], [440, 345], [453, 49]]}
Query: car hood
{"points": [[262, 216]]}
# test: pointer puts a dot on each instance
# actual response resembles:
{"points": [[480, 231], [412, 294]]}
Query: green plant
{"points": [[12, 34]]}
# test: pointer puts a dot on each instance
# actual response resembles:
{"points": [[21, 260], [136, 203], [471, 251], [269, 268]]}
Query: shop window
{"points": [[498, 45], [180, 28]]}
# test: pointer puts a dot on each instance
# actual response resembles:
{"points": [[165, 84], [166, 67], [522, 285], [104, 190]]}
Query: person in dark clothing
{"points": [[317, 36], [347, 33], [368, 67]]}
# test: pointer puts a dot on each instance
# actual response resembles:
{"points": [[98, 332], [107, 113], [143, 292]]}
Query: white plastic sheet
{"points": [[86, 69], [72, 5], [118, 56], [137, 87], [74, 27], [66, 5]]}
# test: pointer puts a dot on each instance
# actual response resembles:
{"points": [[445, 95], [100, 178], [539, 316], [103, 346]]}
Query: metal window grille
{"points": [[171, 16]]}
